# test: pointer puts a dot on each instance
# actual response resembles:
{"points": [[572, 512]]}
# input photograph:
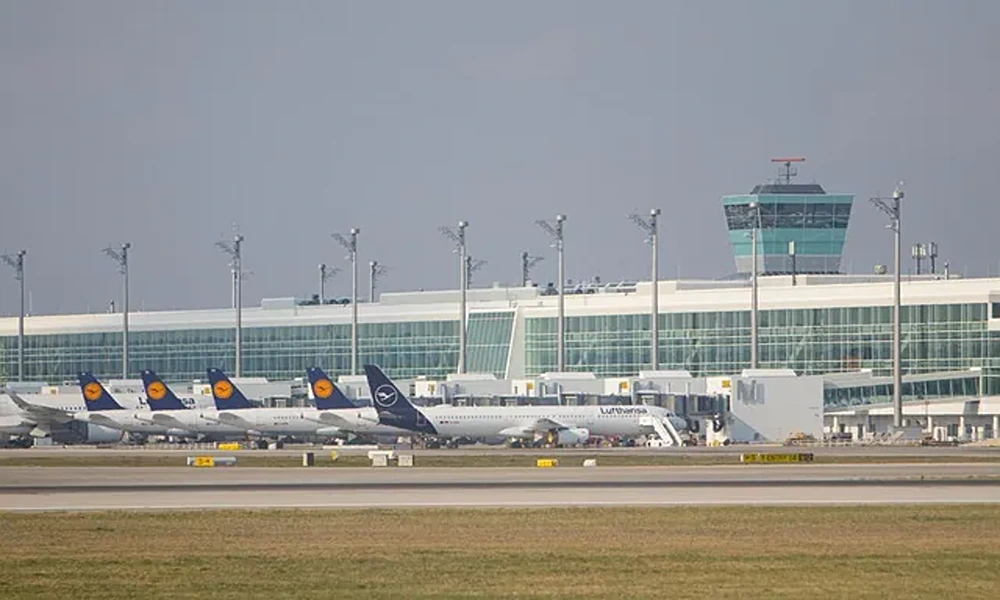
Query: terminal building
{"points": [[813, 320]]}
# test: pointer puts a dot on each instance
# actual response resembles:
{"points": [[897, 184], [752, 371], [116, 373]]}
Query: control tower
{"points": [[800, 227]]}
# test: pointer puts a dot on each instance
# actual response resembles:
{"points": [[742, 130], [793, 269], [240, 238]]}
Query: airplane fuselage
{"points": [[519, 421]]}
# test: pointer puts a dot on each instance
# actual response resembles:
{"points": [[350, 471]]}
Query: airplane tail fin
{"points": [[96, 397], [226, 395], [393, 407], [158, 394], [328, 395]]}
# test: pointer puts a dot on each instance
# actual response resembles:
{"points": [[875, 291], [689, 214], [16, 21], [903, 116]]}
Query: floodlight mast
{"points": [[457, 235], [755, 207], [892, 208], [471, 266], [235, 251], [556, 233], [121, 257], [17, 262], [527, 262], [791, 255], [376, 272], [651, 228], [325, 273], [351, 245]]}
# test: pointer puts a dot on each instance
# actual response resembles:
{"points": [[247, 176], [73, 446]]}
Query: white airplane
{"points": [[103, 410], [234, 410], [168, 410], [50, 416], [564, 425], [335, 409]]}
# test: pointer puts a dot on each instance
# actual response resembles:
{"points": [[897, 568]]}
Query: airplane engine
{"points": [[97, 434], [330, 432], [571, 436]]}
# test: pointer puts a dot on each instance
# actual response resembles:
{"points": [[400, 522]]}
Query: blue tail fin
{"points": [[96, 397], [328, 396], [158, 395], [227, 396], [393, 407]]}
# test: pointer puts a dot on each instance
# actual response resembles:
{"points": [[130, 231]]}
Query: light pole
{"points": [[377, 271], [121, 257], [755, 207], [237, 283], [351, 245], [325, 273], [556, 232], [652, 238], [791, 255], [527, 262], [457, 235], [235, 251], [891, 207], [17, 262]]}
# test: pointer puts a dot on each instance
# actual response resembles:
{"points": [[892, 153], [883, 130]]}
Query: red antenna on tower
{"points": [[789, 171]]}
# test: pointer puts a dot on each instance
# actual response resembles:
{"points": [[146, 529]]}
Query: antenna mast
{"points": [[789, 171]]}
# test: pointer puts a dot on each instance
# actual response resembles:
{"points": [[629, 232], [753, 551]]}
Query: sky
{"points": [[170, 124]]}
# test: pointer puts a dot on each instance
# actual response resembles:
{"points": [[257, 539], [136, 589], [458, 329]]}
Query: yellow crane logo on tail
{"points": [[323, 388], [222, 389], [92, 391], [156, 390]]}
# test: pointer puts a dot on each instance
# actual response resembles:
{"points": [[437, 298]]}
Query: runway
{"points": [[31, 489]]}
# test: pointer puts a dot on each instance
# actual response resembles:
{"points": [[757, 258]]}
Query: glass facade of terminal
{"points": [[403, 349], [488, 342], [936, 338], [945, 387]]}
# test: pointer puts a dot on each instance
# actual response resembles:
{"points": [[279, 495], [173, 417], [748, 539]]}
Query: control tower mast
{"points": [[789, 171]]}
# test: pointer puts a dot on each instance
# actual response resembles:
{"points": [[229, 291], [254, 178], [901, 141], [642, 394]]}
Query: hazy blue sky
{"points": [[162, 122]]}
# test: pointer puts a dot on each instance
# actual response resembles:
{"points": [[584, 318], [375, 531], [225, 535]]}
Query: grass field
{"points": [[263, 459], [826, 552]]}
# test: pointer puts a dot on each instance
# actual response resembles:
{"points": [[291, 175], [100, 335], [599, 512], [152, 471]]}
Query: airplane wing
{"points": [[38, 411], [166, 421], [546, 424], [338, 419], [334, 420], [99, 419], [530, 429], [228, 418]]}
